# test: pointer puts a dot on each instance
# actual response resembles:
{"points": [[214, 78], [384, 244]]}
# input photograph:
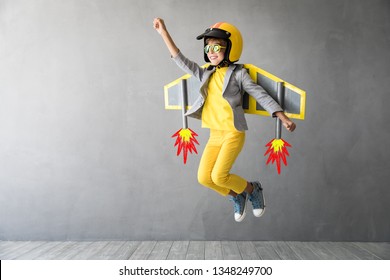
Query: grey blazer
{"points": [[237, 80]]}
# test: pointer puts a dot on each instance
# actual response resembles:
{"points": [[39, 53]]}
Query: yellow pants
{"points": [[217, 160]]}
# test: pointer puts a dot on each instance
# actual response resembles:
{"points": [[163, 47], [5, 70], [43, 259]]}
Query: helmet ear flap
{"points": [[227, 52], [206, 58]]}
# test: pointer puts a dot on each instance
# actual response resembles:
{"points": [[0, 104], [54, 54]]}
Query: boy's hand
{"points": [[287, 123], [159, 25]]}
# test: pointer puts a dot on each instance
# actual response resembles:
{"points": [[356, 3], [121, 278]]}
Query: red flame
{"points": [[186, 142], [277, 150]]}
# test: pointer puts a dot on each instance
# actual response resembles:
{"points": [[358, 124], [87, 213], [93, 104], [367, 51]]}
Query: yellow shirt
{"points": [[217, 112]]}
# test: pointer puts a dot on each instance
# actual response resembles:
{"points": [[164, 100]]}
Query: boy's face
{"points": [[216, 57]]}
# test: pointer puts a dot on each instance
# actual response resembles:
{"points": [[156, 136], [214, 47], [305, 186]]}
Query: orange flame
{"points": [[186, 142], [277, 149]]}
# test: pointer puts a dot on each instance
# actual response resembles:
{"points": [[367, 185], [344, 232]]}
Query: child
{"points": [[219, 106]]}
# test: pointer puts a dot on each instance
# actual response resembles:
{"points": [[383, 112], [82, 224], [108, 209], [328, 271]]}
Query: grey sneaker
{"points": [[257, 199], [239, 206]]}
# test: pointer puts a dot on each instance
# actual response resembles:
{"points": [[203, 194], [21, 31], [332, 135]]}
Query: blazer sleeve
{"points": [[189, 66], [259, 93]]}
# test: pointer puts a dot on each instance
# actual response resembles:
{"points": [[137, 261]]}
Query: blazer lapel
{"points": [[205, 82], [228, 75]]}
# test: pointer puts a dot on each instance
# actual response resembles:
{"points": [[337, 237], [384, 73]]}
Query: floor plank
{"points": [[9, 247], [379, 249], [51, 253], [72, 249], [30, 246], [340, 251], [247, 250], [360, 253], [213, 250], [143, 250], [284, 251], [161, 250], [40, 251], [303, 251], [230, 250], [90, 251], [110, 251], [319, 248], [178, 250], [195, 250], [265, 250], [127, 250]]}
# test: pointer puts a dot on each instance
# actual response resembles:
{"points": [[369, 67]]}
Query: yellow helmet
{"points": [[228, 32]]}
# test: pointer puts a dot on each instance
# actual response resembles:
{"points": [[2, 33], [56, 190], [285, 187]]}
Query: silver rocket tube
{"points": [[280, 100], [184, 102]]}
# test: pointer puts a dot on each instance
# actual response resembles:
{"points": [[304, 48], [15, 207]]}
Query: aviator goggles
{"points": [[216, 48]]}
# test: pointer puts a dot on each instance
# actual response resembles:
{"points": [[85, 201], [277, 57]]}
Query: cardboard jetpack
{"points": [[182, 93]]}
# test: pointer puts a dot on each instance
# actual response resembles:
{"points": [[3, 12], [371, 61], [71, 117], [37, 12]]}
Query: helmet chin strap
{"points": [[223, 63]]}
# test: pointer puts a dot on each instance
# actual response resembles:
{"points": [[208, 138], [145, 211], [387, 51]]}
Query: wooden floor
{"points": [[193, 250]]}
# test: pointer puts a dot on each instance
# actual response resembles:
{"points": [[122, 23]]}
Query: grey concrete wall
{"points": [[85, 147]]}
